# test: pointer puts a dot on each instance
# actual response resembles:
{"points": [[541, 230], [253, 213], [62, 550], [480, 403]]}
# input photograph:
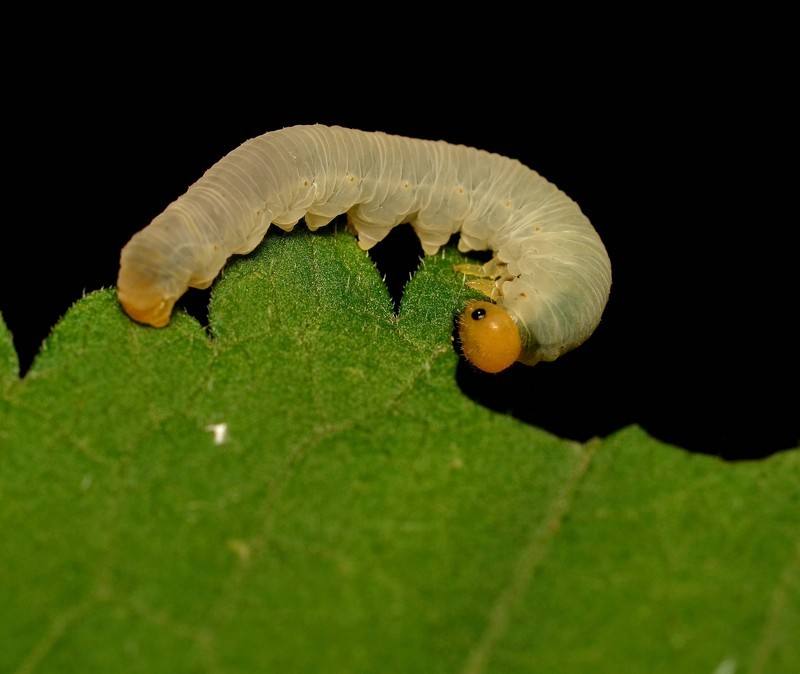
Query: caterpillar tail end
{"points": [[146, 293], [153, 311], [143, 300]]}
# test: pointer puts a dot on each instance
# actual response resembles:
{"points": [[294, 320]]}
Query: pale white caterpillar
{"points": [[549, 277]]}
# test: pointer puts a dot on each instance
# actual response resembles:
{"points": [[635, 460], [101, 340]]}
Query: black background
{"points": [[674, 165]]}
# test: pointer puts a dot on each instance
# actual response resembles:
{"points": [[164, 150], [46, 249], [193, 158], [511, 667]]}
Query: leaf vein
{"points": [[527, 564], [55, 632], [777, 606]]}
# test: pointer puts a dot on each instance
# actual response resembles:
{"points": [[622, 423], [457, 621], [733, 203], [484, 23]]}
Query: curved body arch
{"points": [[549, 271]]}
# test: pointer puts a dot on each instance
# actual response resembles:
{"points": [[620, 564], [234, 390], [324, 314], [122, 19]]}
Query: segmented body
{"points": [[550, 269]]}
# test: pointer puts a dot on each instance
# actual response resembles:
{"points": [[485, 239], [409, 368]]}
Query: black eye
{"points": [[478, 314]]}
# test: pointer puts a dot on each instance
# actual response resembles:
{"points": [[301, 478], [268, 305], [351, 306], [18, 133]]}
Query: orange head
{"points": [[489, 336]]}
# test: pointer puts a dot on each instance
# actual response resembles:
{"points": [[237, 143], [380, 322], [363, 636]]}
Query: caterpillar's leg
{"points": [[314, 221], [484, 284], [469, 269], [369, 233], [490, 277], [492, 269], [486, 287]]}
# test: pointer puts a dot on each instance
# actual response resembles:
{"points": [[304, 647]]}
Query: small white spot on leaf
{"points": [[220, 432], [727, 666]]}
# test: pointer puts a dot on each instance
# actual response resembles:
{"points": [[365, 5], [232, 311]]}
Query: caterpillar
{"points": [[548, 280]]}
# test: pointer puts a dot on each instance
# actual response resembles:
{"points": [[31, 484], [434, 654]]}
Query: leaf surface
{"points": [[356, 512]]}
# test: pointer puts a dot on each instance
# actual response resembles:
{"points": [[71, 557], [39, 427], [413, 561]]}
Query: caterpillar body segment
{"points": [[550, 271]]}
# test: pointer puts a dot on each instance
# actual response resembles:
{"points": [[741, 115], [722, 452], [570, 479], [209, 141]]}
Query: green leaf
{"points": [[362, 514], [9, 368]]}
